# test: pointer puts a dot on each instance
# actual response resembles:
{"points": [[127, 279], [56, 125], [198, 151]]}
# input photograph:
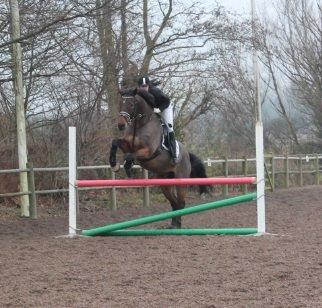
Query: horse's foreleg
{"points": [[115, 166]]}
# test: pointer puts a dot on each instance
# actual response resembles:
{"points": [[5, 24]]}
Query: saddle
{"points": [[164, 142]]}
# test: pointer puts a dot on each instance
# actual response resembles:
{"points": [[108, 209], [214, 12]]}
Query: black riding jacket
{"points": [[161, 100]]}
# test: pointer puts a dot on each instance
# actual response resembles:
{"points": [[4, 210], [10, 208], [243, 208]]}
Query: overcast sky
{"points": [[240, 6], [244, 6]]}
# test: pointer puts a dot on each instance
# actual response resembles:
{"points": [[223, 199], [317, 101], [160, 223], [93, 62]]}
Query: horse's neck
{"points": [[150, 131], [152, 126], [154, 131]]}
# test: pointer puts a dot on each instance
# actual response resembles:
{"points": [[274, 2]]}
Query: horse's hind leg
{"points": [[181, 202], [176, 202], [128, 164]]}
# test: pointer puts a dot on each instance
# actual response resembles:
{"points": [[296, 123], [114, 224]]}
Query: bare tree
{"points": [[73, 67], [107, 42], [293, 51], [279, 101]]}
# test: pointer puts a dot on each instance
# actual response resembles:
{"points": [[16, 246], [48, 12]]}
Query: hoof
{"points": [[116, 168], [174, 226], [169, 227], [129, 173], [206, 195]]}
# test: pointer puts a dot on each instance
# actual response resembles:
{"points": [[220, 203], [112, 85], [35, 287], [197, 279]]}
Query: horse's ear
{"points": [[148, 97]]}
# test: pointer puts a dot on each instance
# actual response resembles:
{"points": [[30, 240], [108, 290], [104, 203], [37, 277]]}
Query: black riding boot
{"points": [[173, 148]]}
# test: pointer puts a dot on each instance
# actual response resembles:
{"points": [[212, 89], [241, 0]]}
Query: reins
{"points": [[134, 132], [134, 119]]}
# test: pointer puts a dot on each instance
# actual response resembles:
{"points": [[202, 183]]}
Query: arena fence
{"points": [[281, 172]]}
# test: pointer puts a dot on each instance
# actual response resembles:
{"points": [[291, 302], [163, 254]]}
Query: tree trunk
{"points": [[126, 82], [109, 59], [151, 42]]}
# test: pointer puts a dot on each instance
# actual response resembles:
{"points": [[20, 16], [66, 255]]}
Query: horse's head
{"points": [[133, 109]]}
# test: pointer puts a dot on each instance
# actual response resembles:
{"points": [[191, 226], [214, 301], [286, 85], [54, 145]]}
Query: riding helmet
{"points": [[143, 81]]}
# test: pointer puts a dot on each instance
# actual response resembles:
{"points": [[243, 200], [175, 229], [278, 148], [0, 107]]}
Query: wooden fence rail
{"points": [[279, 173]]}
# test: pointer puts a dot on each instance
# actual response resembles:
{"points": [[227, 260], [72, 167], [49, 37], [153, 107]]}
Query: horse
{"points": [[142, 142]]}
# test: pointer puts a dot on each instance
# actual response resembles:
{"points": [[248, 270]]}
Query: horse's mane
{"points": [[148, 97]]}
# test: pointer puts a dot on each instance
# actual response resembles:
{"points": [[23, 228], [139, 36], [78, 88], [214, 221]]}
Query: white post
{"points": [[72, 180], [260, 167], [260, 176]]}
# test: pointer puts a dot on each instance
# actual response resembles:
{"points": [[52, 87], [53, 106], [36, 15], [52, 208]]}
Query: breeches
{"points": [[167, 115]]}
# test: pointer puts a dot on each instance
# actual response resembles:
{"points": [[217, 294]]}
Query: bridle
{"points": [[133, 120], [126, 115]]}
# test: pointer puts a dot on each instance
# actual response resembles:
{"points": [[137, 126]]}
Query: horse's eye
{"points": [[129, 105]]}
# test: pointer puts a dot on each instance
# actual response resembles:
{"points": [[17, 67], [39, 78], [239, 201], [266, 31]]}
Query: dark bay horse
{"points": [[141, 142]]}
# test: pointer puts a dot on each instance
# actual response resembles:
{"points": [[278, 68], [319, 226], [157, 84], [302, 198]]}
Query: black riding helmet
{"points": [[143, 81]]}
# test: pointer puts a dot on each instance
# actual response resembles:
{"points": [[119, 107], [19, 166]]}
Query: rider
{"points": [[162, 102]]}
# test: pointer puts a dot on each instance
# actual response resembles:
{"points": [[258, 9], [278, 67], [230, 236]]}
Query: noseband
{"points": [[130, 119]]}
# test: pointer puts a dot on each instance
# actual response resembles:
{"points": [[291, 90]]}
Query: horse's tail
{"points": [[198, 170]]}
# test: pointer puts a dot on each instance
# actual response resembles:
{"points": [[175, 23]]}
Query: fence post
{"points": [[146, 191], [225, 173], [209, 165], [32, 191], [245, 170], [317, 170], [301, 170], [113, 192], [273, 171], [287, 172]]}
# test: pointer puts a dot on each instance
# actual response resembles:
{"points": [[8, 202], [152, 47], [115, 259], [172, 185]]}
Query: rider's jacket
{"points": [[161, 100]]}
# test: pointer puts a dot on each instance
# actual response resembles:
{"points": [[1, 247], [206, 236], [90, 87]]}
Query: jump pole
{"points": [[153, 232], [166, 215], [165, 182]]}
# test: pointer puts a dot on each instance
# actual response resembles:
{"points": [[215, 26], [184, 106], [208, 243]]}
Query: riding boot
{"points": [[173, 148]]}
